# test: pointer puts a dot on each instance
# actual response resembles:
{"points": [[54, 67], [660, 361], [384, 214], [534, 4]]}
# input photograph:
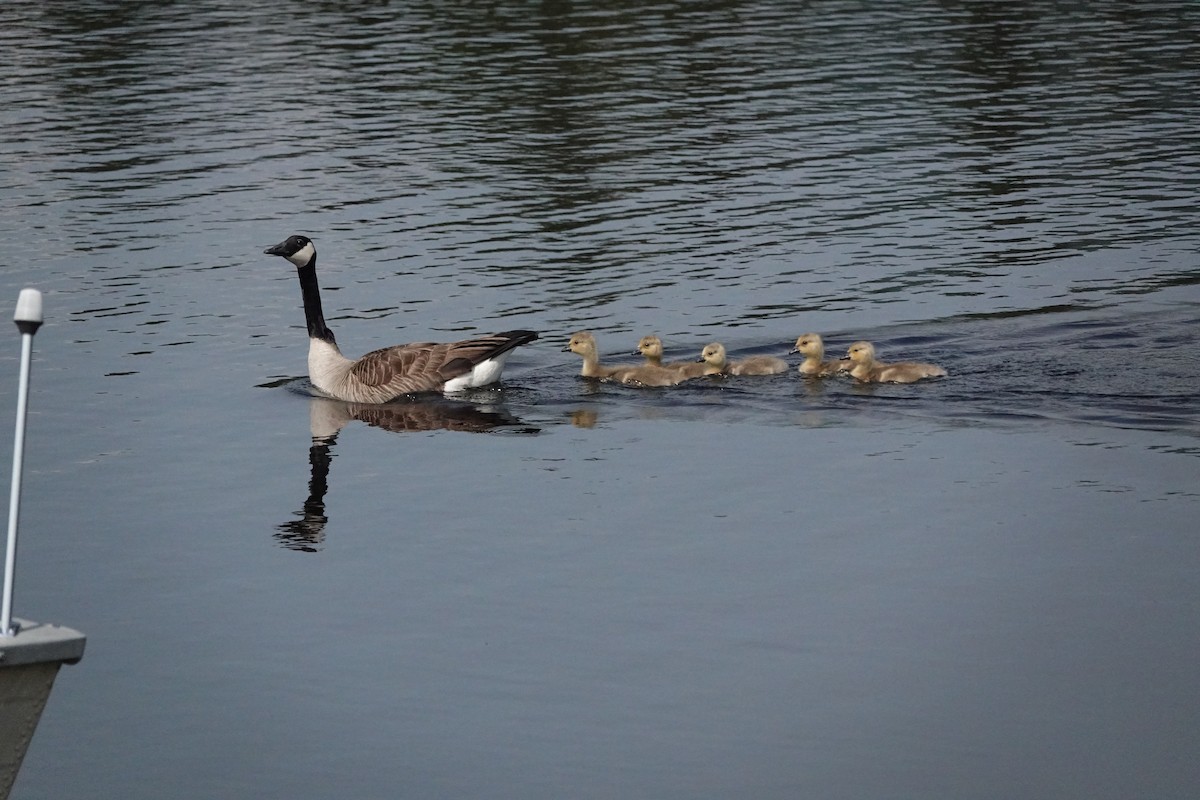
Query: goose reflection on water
{"points": [[327, 417]]}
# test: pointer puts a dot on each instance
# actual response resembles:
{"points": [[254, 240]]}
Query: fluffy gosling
{"points": [[714, 357], [868, 370], [812, 347], [652, 348], [583, 343]]}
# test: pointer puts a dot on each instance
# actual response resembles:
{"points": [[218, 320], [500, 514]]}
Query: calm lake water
{"points": [[978, 587]]}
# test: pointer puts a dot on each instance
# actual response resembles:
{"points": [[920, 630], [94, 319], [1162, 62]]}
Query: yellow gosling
{"points": [[650, 375], [652, 348], [812, 347], [583, 343], [714, 357], [868, 370]]}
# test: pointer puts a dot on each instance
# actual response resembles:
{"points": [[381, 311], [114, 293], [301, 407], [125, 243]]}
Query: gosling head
{"points": [[650, 347], [713, 354], [810, 345], [583, 343], [297, 249], [861, 352]]}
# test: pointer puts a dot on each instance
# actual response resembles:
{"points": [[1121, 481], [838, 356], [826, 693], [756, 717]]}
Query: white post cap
{"points": [[29, 307]]}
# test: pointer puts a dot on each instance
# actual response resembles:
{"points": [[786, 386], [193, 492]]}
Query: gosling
{"points": [[652, 348], [868, 370], [650, 375], [583, 344], [812, 347], [716, 362]]}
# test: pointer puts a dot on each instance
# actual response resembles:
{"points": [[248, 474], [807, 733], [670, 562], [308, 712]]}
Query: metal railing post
{"points": [[28, 317]]}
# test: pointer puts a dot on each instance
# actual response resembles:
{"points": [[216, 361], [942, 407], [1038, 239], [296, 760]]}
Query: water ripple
{"points": [[620, 166]]}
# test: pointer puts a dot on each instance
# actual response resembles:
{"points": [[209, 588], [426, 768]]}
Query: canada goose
{"points": [[652, 348], [583, 343], [812, 347], [714, 356], [390, 372], [867, 369]]}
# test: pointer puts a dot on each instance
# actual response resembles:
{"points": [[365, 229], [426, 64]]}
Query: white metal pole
{"points": [[28, 317]]}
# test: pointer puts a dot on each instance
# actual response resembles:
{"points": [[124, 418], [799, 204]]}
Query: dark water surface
{"points": [[978, 587]]}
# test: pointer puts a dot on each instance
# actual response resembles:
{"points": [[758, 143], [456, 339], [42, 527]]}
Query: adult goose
{"points": [[868, 370], [390, 372]]}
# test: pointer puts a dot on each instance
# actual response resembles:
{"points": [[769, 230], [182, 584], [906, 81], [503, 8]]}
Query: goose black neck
{"points": [[311, 293]]}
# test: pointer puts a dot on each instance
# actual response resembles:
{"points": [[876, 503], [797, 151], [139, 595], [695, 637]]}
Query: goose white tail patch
{"points": [[484, 374]]}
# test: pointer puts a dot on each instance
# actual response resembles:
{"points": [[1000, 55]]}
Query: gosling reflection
{"points": [[584, 417], [306, 533]]}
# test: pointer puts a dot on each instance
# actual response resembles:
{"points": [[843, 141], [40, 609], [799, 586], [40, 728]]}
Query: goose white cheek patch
{"points": [[303, 255]]}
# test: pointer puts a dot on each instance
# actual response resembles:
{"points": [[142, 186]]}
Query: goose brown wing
{"points": [[405, 368], [463, 356], [425, 366]]}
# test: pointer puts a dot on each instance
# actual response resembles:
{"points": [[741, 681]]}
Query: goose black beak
{"points": [[276, 250], [698, 360], [567, 349]]}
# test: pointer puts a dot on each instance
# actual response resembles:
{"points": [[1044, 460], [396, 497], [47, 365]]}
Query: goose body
{"points": [[868, 370], [583, 343], [812, 347], [715, 358], [390, 372]]}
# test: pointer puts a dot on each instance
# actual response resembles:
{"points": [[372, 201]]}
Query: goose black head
{"points": [[297, 249]]}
